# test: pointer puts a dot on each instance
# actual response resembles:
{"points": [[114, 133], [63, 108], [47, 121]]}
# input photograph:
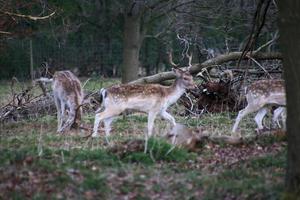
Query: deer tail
{"points": [[102, 94], [46, 80]]}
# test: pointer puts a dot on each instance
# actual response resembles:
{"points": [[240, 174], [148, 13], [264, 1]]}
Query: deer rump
{"points": [[68, 94]]}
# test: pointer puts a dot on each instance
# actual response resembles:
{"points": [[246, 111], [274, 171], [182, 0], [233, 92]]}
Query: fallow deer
{"points": [[259, 95], [153, 99], [68, 94]]}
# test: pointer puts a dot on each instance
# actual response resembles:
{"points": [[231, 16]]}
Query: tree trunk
{"points": [[133, 39], [31, 60], [290, 45]]}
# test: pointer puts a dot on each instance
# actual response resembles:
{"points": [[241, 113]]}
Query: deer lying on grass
{"points": [[259, 95], [153, 99], [68, 94]]}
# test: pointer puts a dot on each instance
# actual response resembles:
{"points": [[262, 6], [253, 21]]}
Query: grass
{"points": [[37, 163]]}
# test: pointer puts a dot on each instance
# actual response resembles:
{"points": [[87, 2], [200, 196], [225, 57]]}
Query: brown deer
{"points": [[259, 95], [68, 94], [153, 99]]}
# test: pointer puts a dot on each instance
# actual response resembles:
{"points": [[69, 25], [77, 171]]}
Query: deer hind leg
{"points": [[58, 111], [283, 118], [151, 118], [77, 120], [107, 116], [279, 112], [171, 119], [259, 118], [107, 126], [249, 109], [71, 117]]}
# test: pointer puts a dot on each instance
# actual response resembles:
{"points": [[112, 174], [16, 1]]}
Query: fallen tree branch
{"points": [[157, 78], [194, 138], [5, 32]]}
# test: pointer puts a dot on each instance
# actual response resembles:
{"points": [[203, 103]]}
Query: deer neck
{"points": [[175, 92]]}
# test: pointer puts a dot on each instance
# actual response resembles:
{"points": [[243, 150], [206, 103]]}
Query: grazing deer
{"points": [[68, 94], [153, 99], [259, 95]]}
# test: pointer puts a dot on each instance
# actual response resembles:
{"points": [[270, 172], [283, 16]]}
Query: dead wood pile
{"points": [[31, 109], [27, 105]]}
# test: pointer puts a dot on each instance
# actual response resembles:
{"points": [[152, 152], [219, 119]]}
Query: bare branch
{"points": [[255, 61], [34, 18], [5, 32], [268, 43]]}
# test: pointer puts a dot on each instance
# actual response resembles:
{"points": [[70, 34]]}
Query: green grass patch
{"points": [[159, 150], [37, 163]]}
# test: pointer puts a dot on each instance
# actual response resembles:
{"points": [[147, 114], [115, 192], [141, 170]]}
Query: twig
{"points": [[86, 82], [268, 43]]}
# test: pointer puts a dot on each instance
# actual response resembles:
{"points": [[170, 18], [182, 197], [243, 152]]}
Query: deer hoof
{"points": [[95, 135], [60, 131], [261, 130]]}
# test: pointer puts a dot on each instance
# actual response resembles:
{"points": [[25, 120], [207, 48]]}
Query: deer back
{"points": [[269, 91], [66, 85]]}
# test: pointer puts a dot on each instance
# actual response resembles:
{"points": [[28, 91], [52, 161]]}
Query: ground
{"points": [[38, 163]]}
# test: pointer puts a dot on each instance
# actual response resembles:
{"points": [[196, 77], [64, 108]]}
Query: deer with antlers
{"points": [[259, 95], [153, 99], [68, 95]]}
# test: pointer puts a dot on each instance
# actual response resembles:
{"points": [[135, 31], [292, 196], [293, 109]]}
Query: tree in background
{"points": [[139, 19], [290, 45], [19, 19]]}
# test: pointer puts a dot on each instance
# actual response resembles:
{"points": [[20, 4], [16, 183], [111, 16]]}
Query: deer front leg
{"points": [[151, 118]]}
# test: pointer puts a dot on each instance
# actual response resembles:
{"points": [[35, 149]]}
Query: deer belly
{"points": [[278, 99], [140, 104]]}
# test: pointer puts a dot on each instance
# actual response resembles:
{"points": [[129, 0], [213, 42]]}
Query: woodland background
{"points": [[110, 38], [106, 42]]}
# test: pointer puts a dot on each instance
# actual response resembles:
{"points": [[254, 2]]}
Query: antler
{"points": [[190, 57], [46, 66], [171, 59], [201, 74], [186, 50]]}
